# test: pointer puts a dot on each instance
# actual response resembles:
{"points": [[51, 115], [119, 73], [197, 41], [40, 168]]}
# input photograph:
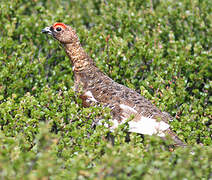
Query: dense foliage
{"points": [[161, 48]]}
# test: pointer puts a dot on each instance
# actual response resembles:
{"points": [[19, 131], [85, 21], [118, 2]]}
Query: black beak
{"points": [[47, 30]]}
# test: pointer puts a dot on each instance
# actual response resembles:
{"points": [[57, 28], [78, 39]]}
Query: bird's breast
{"points": [[88, 99]]}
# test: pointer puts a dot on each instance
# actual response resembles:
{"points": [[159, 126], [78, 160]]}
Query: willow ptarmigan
{"points": [[98, 88]]}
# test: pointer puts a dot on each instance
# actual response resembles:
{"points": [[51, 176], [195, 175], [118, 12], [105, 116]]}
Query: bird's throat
{"points": [[78, 56]]}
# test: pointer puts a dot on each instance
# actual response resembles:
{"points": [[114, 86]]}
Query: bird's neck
{"points": [[78, 56]]}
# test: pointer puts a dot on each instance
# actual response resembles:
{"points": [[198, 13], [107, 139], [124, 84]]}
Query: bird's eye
{"points": [[58, 29]]}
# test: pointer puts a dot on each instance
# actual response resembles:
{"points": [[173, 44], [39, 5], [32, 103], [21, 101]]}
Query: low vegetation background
{"points": [[160, 48]]}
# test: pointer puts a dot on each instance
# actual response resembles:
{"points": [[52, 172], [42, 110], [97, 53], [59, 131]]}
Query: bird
{"points": [[98, 88]]}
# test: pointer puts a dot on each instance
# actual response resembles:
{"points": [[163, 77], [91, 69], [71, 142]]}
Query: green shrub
{"points": [[160, 48]]}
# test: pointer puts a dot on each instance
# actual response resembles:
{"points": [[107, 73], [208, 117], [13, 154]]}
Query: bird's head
{"points": [[63, 33]]}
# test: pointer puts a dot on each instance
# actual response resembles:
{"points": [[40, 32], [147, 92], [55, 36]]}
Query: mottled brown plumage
{"points": [[99, 88]]}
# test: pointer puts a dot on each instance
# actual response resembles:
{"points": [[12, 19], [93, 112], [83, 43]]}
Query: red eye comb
{"points": [[59, 24]]}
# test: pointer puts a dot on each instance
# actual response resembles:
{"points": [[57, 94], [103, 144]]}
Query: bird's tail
{"points": [[175, 138]]}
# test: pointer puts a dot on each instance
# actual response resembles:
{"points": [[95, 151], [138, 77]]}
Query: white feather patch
{"points": [[90, 96], [73, 68], [144, 126], [148, 126], [127, 108]]}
